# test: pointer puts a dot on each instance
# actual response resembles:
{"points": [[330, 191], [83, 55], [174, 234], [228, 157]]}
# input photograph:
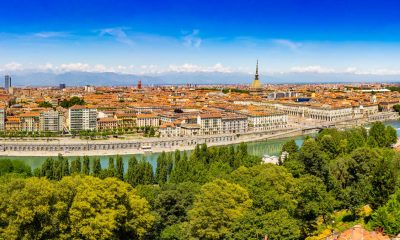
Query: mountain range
{"points": [[202, 78]]}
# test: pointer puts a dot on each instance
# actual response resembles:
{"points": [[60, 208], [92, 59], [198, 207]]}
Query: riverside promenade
{"points": [[78, 147]]}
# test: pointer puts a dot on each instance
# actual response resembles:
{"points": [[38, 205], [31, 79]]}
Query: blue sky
{"points": [[186, 35]]}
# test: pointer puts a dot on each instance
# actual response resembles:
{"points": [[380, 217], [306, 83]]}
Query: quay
{"points": [[75, 147]]}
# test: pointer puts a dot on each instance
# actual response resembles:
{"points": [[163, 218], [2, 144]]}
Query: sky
{"points": [[138, 36]]}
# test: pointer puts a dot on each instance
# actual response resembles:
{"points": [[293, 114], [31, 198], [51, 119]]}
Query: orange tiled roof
{"points": [[358, 233]]}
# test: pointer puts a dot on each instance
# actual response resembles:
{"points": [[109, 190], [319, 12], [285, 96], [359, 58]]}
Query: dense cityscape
{"points": [[183, 115], [200, 120]]}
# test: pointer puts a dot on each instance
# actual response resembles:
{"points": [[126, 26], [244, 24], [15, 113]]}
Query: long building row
{"points": [[169, 123]]}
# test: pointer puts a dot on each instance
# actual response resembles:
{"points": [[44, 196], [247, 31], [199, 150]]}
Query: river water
{"points": [[259, 148]]}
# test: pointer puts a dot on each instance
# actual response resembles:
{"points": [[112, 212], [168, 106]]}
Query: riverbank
{"points": [[78, 147], [119, 147]]}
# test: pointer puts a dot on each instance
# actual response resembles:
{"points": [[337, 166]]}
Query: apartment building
{"points": [[51, 121], [13, 124], [147, 119], [234, 123], [264, 121], [210, 123], [82, 118], [30, 121], [107, 124]]}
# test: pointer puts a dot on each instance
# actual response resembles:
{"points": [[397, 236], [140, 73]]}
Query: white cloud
{"points": [[187, 67], [196, 68], [12, 66], [381, 71], [118, 33], [50, 34], [74, 67], [192, 39], [312, 69], [287, 43]]}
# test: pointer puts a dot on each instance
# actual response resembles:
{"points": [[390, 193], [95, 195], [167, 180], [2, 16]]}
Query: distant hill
{"points": [[117, 79]]}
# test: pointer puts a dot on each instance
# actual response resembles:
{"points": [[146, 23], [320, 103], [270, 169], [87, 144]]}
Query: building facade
{"points": [[30, 122], [82, 118], [144, 120], [51, 121]]}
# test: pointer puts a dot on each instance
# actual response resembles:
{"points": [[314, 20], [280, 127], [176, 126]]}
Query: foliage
{"points": [[215, 209], [387, 216], [72, 208], [45, 105], [72, 102], [14, 166]]}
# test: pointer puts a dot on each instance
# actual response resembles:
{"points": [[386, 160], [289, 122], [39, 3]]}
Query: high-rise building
{"points": [[139, 85], [256, 84], [7, 82], [62, 85], [82, 118], [2, 119], [51, 121]]}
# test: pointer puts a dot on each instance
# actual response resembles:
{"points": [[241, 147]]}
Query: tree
{"points": [[329, 146], [277, 225], [119, 171], [314, 160], [45, 104], [313, 201], [397, 108], [132, 174], [86, 166], [387, 216], [180, 170], [72, 102], [216, 208], [26, 206], [78, 207], [96, 167], [173, 202], [139, 172], [377, 134], [14, 166], [391, 136], [162, 169], [108, 210], [47, 169], [267, 180], [111, 167], [290, 147], [76, 166]]}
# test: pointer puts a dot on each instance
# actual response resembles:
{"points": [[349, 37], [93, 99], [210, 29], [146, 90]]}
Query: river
{"points": [[259, 148]]}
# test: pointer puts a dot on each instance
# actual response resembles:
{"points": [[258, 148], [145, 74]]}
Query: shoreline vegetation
{"points": [[251, 137], [334, 181]]}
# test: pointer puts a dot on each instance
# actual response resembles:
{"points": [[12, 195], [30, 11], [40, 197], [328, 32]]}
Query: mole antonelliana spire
{"points": [[256, 84]]}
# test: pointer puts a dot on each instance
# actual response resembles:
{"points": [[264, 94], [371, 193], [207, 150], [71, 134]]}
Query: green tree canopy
{"points": [[218, 205]]}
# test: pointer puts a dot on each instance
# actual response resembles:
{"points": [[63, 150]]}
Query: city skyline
{"points": [[357, 38]]}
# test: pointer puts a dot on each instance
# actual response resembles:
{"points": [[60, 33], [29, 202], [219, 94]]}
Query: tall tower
{"points": [[139, 85], [256, 84], [7, 82]]}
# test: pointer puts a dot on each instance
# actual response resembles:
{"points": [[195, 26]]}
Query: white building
{"points": [[51, 121], [82, 118], [150, 119], [210, 123], [264, 121], [234, 123], [330, 113]]}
